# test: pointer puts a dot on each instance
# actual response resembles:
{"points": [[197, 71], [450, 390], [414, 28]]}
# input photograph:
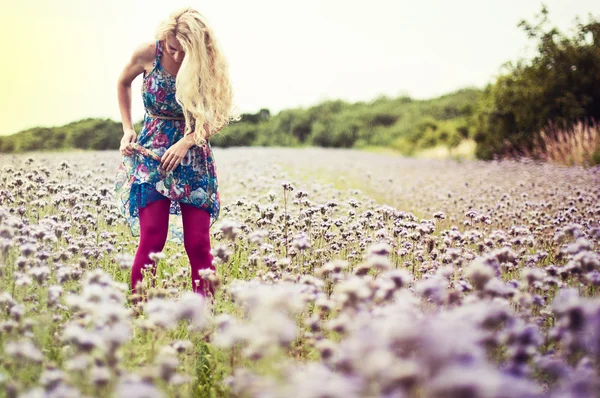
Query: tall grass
{"points": [[578, 144]]}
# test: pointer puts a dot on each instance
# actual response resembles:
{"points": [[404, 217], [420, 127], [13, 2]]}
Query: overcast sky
{"points": [[61, 58]]}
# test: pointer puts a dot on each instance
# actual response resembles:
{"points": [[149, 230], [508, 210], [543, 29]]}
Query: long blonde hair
{"points": [[202, 86]]}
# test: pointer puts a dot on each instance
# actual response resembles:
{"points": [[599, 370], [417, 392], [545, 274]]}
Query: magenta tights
{"points": [[154, 225]]}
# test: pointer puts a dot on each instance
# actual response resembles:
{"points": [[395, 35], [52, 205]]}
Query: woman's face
{"points": [[174, 48]]}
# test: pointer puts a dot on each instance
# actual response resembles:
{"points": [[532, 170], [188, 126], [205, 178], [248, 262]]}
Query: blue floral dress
{"points": [[140, 180]]}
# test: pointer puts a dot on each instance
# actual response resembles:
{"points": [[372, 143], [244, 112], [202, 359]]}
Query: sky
{"points": [[61, 58]]}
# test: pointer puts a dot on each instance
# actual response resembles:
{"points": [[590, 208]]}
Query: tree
{"points": [[561, 84]]}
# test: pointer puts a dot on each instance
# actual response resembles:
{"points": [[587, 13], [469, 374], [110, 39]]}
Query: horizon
{"points": [[62, 72]]}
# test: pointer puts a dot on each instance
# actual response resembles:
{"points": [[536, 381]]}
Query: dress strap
{"points": [[158, 52]]}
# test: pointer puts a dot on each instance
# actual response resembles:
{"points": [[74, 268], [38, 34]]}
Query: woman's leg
{"points": [[154, 226], [196, 239]]}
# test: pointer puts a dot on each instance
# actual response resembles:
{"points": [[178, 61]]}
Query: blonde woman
{"points": [[169, 167]]}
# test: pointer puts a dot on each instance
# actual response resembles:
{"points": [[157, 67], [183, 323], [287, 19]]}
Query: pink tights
{"points": [[154, 225]]}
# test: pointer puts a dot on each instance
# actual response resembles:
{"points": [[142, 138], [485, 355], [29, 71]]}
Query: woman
{"points": [[169, 168]]}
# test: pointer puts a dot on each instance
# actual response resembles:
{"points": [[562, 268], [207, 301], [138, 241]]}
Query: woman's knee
{"points": [[199, 242], [196, 227], [154, 223], [153, 244]]}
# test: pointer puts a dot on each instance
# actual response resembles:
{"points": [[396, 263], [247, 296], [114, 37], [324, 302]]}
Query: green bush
{"points": [[561, 84]]}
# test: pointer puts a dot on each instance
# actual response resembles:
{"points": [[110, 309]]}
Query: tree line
{"points": [[400, 123]]}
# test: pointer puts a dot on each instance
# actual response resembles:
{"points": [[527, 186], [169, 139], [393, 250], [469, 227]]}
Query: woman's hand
{"points": [[129, 137], [173, 156]]}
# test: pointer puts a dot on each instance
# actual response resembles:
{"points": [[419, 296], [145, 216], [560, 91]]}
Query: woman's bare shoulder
{"points": [[142, 60], [144, 52]]}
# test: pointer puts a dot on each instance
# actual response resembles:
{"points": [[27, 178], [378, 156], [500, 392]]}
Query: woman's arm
{"points": [[141, 57]]}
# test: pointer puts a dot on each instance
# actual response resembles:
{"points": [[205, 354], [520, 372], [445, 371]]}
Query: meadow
{"points": [[340, 273]]}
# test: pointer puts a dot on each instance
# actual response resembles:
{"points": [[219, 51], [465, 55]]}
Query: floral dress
{"points": [[140, 180]]}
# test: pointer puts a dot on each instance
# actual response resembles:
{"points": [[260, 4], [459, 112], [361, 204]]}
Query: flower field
{"points": [[340, 274]]}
